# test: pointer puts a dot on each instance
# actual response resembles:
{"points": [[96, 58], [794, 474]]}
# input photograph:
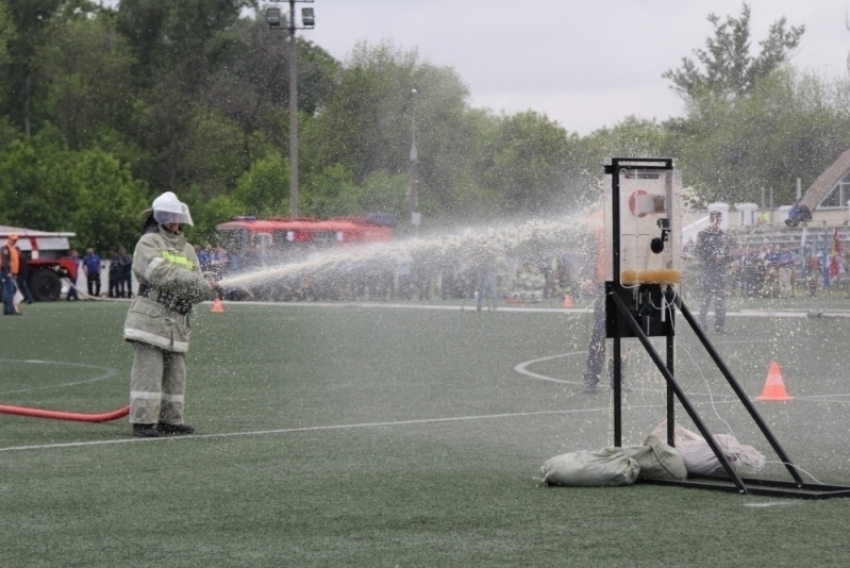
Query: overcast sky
{"points": [[586, 64]]}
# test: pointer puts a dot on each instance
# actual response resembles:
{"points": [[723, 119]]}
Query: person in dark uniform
{"points": [[24, 274], [594, 286], [125, 275], [712, 249]]}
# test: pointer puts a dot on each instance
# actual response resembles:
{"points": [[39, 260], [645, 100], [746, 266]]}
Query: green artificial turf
{"points": [[354, 436]]}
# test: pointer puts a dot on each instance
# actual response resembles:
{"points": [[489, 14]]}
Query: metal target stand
{"points": [[626, 318]]}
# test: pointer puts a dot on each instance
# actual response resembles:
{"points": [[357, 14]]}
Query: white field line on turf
{"points": [[328, 428], [372, 305], [309, 429], [470, 307], [521, 368]]}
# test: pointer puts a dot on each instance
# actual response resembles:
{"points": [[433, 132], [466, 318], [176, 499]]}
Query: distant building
{"points": [[828, 195]]}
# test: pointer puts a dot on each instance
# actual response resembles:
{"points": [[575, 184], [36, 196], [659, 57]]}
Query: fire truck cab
{"points": [[47, 258]]}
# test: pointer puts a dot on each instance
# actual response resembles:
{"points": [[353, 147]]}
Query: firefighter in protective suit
{"points": [[170, 282]]}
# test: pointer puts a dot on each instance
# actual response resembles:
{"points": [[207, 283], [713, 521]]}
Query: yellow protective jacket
{"points": [[168, 264]]}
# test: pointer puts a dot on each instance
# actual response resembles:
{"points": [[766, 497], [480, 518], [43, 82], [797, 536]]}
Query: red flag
{"points": [[836, 252]]}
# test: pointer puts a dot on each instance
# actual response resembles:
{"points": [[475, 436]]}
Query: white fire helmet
{"points": [[168, 209]]}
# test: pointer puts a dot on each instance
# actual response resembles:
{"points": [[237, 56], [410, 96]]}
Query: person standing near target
{"points": [[712, 249], [157, 324], [9, 266]]}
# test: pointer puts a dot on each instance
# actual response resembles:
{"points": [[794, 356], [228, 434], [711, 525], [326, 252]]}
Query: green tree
{"points": [[525, 164], [22, 90], [264, 188], [207, 213], [253, 85], [7, 32], [107, 200], [189, 38], [331, 193], [32, 192], [790, 125], [88, 67], [212, 155], [184, 142], [729, 69], [367, 126], [383, 191], [631, 137], [44, 186]]}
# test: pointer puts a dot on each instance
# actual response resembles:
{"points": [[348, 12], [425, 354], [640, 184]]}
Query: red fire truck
{"points": [[284, 235], [46, 255]]}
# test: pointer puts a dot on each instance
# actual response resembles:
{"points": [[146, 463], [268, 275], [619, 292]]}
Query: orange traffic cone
{"points": [[774, 388], [217, 308], [568, 301]]}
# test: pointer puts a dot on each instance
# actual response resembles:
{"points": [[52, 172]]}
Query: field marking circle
{"points": [[107, 373], [522, 369]]}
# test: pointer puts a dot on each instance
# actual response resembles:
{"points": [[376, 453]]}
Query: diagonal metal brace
{"points": [[742, 396]]}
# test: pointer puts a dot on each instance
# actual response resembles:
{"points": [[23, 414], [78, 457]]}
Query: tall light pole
{"points": [[415, 217], [308, 21]]}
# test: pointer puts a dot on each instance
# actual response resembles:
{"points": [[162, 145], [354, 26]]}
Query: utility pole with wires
{"points": [[415, 216]]}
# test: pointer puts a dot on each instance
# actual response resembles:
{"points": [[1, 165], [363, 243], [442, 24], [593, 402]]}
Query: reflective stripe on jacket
{"points": [[166, 263]]}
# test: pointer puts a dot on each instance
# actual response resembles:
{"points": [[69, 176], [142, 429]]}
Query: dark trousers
{"points": [[713, 288], [125, 286], [94, 284], [23, 286], [596, 347], [114, 286], [72, 291], [8, 294]]}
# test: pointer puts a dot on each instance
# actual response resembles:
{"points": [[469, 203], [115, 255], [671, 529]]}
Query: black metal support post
{"points": [[671, 397]]}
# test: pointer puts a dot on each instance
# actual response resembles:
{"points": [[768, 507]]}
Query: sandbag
{"points": [[657, 460], [700, 459], [609, 467]]}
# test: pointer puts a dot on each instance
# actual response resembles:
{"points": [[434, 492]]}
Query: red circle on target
{"points": [[633, 202]]}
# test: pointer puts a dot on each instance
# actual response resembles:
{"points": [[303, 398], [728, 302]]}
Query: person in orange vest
{"points": [[595, 285], [9, 266]]}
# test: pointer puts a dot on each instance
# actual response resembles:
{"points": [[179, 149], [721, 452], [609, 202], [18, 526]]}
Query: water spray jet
{"points": [[509, 239]]}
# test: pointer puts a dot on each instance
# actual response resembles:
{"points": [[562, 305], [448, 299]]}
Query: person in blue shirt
{"points": [[204, 256], [91, 266]]}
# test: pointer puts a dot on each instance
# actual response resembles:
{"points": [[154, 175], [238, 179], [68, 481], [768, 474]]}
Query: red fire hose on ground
{"points": [[61, 415]]}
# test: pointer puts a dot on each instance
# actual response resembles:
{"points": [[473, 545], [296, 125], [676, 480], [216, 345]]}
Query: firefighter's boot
{"points": [[145, 431], [165, 428]]}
